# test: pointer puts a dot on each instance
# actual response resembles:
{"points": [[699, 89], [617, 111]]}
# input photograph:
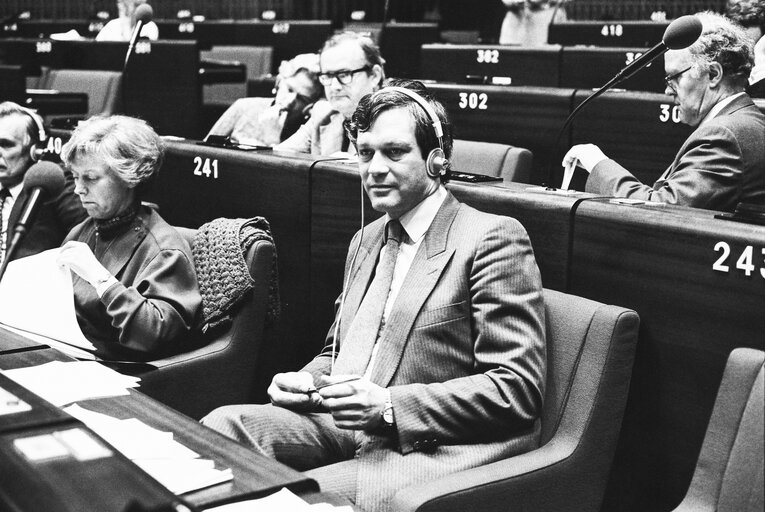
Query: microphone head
{"points": [[682, 32], [46, 175], [144, 13]]}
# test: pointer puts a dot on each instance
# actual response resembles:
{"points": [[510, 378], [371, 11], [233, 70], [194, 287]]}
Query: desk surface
{"points": [[254, 474]]}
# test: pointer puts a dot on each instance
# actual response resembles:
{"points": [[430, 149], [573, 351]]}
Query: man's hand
{"points": [[588, 156], [355, 404], [295, 391]]}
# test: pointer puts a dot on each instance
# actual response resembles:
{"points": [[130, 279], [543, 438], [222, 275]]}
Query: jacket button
{"points": [[416, 445]]}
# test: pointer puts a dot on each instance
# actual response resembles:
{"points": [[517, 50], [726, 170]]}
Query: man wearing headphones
{"points": [[21, 134], [436, 360], [350, 67]]}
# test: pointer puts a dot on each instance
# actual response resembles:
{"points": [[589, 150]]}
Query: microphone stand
{"points": [[619, 78]]}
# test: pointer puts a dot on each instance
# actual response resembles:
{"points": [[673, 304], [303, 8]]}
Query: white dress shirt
{"points": [[415, 223]]}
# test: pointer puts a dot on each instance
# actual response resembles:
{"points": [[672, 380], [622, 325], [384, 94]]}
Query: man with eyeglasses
{"points": [[350, 68], [722, 163]]}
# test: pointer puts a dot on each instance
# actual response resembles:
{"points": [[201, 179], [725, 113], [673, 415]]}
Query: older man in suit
{"points": [[440, 326], [20, 133], [350, 68], [722, 163]]}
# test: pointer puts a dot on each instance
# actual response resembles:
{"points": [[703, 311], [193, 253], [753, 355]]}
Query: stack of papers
{"points": [[166, 460], [65, 383], [37, 301]]}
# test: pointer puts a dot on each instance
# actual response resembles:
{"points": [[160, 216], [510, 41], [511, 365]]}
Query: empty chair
{"points": [[256, 58], [102, 87], [509, 162], [223, 370], [729, 473], [590, 350]]}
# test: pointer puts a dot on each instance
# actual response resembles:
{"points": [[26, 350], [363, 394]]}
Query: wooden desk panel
{"points": [[522, 65], [255, 183], [659, 261], [254, 474]]}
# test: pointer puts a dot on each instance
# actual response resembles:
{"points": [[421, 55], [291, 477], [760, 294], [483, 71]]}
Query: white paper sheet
{"points": [[64, 383], [36, 297]]}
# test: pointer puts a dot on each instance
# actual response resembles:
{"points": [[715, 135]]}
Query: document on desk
{"points": [[64, 383], [37, 301], [169, 462]]}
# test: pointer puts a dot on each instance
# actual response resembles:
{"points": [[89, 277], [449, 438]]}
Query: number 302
{"points": [[744, 262]]}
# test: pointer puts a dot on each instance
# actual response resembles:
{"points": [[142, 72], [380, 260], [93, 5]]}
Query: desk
{"points": [[655, 259], [254, 474], [642, 34]]}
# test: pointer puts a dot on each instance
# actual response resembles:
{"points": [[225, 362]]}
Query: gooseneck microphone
{"points": [[143, 15], [43, 181], [681, 33]]}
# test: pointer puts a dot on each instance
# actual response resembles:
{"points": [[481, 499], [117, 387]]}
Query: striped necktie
{"points": [[356, 347]]}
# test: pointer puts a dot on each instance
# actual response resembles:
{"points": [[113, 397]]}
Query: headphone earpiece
{"points": [[437, 165], [36, 150]]}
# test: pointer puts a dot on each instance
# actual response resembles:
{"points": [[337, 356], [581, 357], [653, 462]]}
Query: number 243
{"points": [[744, 262]]}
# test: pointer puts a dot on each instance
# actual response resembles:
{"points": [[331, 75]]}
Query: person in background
{"points": [[121, 27], [20, 132], [269, 121], [350, 68], [441, 329], [527, 22], [135, 288], [750, 14], [722, 162]]}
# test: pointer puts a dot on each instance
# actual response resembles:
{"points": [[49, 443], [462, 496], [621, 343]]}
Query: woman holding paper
{"points": [[135, 288]]}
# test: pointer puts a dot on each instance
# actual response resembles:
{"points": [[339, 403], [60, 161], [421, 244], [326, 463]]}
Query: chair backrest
{"points": [[494, 159], [729, 473], [223, 370], [102, 87], [258, 60]]}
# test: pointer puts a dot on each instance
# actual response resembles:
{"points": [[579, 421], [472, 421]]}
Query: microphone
{"points": [[143, 15], [681, 33], [44, 180]]}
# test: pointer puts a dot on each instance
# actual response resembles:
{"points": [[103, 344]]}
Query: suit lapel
{"points": [[117, 252], [731, 108], [427, 267], [361, 273]]}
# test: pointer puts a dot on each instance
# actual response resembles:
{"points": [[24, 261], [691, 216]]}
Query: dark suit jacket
{"points": [[462, 352], [53, 221], [153, 309], [721, 164]]}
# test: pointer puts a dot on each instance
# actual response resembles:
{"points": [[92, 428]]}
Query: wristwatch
{"points": [[388, 420]]}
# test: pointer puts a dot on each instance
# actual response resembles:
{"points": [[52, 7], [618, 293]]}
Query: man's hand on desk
{"points": [[587, 156]]}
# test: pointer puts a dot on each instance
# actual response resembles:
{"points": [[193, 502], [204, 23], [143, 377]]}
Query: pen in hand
{"points": [[316, 389]]}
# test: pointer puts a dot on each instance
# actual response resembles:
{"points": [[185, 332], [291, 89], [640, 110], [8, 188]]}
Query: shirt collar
{"points": [[16, 190], [417, 220], [720, 105]]}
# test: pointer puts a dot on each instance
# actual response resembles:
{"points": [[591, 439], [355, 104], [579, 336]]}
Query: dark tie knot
{"points": [[394, 231], [4, 193]]}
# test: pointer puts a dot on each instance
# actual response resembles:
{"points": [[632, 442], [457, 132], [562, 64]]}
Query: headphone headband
{"points": [[424, 104], [41, 136]]}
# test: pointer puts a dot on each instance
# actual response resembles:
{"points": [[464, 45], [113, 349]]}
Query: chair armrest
{"points": [[518, 483]]}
